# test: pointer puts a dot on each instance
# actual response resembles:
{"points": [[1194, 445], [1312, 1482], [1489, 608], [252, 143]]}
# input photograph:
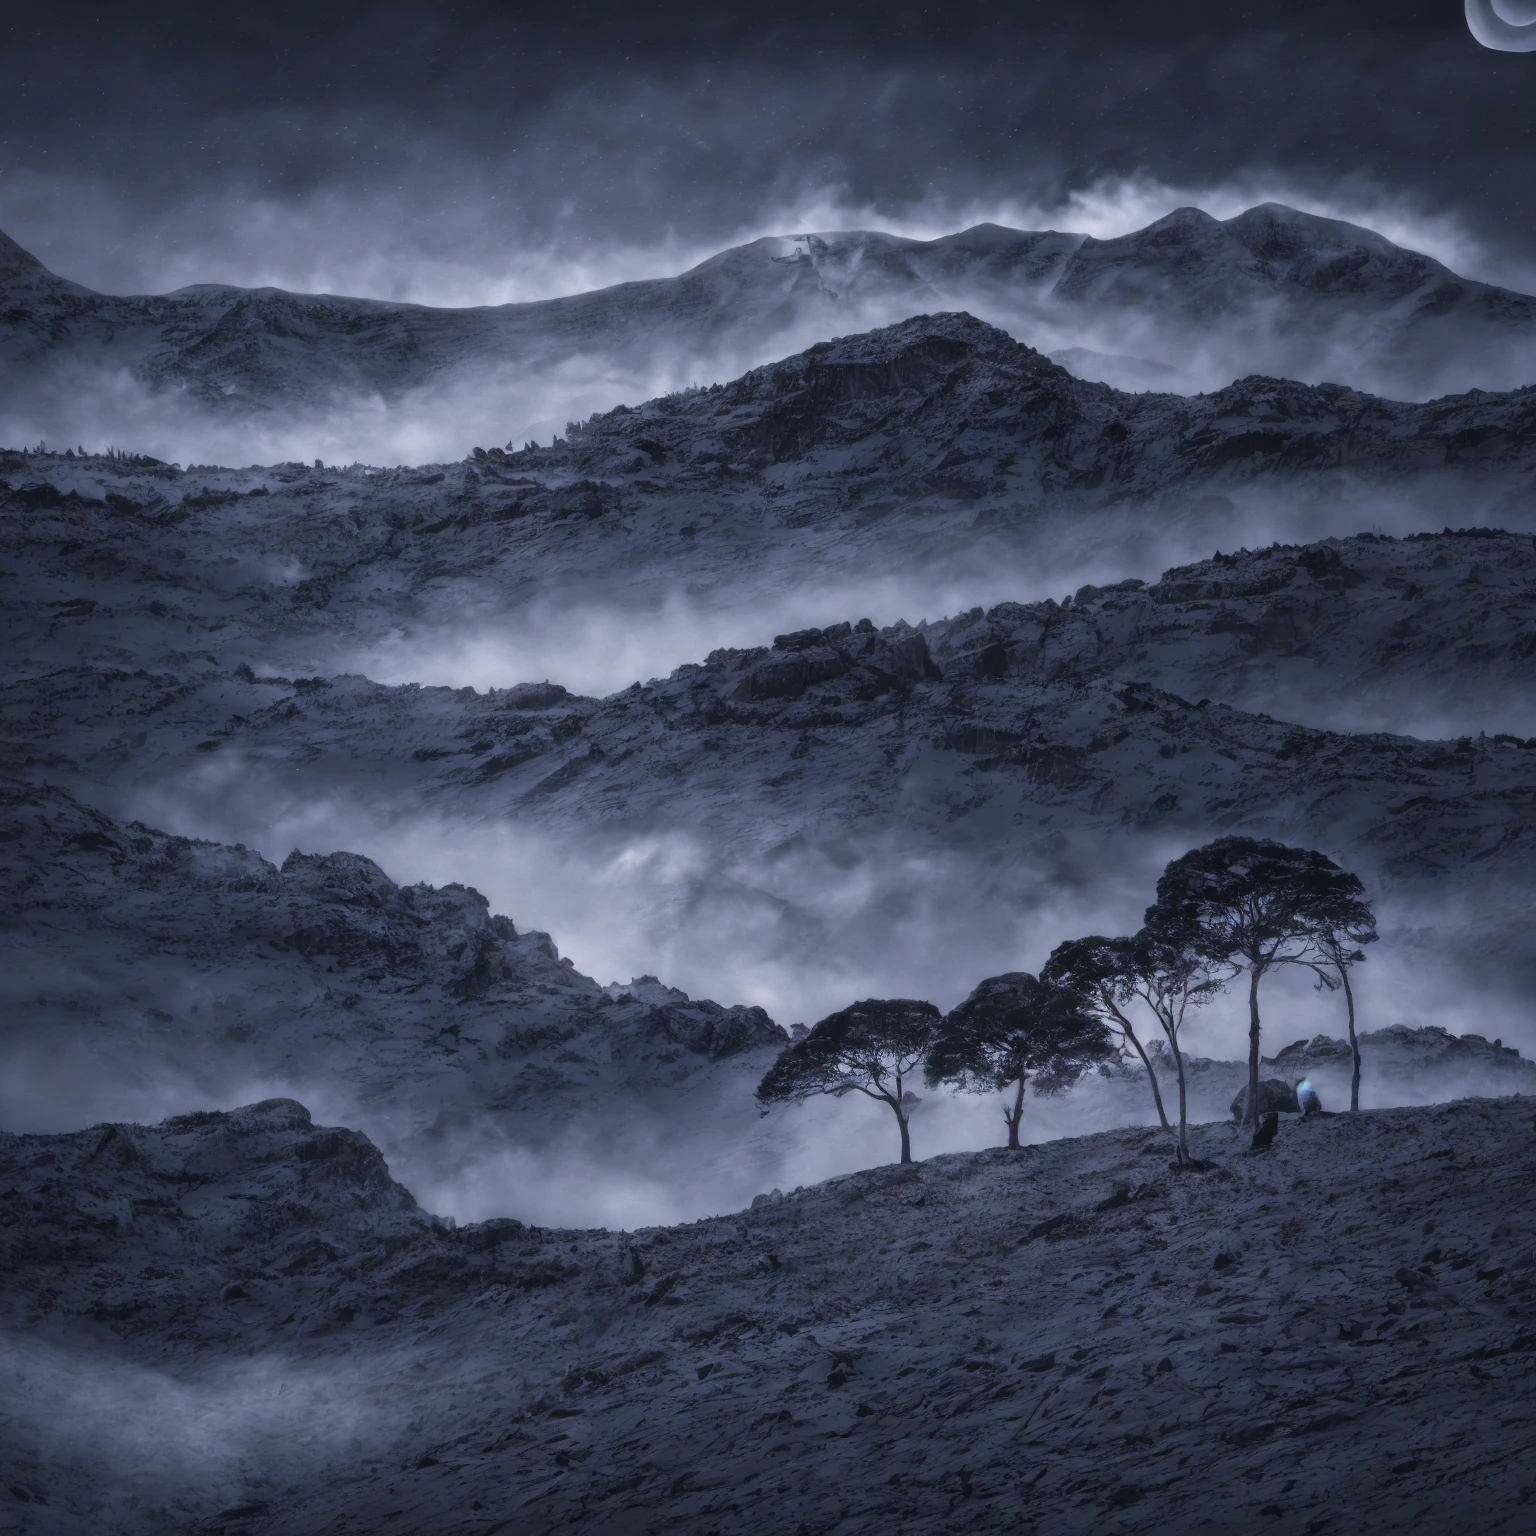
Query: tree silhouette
{"points": [[1256, 904], [1171, 978], [1098, 972], [1338, 951], [870, 1048], [1014, 1029]]}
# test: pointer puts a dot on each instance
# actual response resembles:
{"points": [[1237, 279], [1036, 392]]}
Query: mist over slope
{"points": [[768, 820], [1070, 1338], [1188, 303], [905, 473], [863, 808], [149, 972], [707, 745]]}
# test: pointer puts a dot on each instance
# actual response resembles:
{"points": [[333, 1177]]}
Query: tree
{"points": [[1098, 972], [1171, 978], [1338, 951], [1256, 904], [1013, 1029], [869, 1048]]}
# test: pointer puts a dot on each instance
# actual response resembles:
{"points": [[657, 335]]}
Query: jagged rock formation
{"points": [[144, 967], [1192, 299], [1451, 1065], [1071, 1336]]}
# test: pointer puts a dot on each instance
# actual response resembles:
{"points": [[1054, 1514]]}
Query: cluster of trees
{"points": [[1239, 906]]}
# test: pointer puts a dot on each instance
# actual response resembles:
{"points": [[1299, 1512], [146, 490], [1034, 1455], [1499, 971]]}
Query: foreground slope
{"points": [[1338, 1334]]}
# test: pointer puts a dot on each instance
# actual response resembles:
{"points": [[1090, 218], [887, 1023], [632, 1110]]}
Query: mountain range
{"points": [[931, 463], [337, 1195], [1188, 303], [187, 645]]}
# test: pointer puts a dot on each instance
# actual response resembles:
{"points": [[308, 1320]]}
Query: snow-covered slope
{"points": [[1190, 299], [238, 1323]]}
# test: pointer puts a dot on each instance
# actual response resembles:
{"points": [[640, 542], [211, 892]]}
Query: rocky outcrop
{"points": [[1275, 1097], [1424, 1054], [434, 1022], [231, 1223]]}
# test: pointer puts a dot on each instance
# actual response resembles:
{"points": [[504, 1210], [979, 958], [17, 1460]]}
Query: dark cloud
{"points": [[155, 145]]}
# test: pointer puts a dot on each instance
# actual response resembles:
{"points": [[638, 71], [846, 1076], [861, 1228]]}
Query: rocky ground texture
{"points": [[256, 1330]]}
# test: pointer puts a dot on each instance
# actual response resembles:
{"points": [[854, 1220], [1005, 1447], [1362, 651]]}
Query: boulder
{"points": [[1274, 1095]]}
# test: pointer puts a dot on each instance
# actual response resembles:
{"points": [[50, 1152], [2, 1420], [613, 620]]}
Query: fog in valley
{"points": [[524, 588], [97, 397], [806, 930]]}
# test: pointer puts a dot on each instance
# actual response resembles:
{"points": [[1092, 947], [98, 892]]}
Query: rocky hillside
{"points": [[147, 970], [1191, 299], [152, 972], [1090, 739], [932, 465], [1337, 1333]]}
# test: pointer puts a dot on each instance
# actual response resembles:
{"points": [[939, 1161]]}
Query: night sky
{"points": [[460, 151]]}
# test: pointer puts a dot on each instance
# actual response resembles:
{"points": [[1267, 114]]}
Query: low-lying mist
{"points": [[808, 929], [96, 400], [443, 418], [812, 926], [227, 1434], [622, 627]]}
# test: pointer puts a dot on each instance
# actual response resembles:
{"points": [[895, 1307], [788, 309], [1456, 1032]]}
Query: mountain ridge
{"points": [[1271, 290]]}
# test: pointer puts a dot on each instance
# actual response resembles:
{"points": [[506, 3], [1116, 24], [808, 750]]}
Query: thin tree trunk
{"points": [[1014, 1118], [1354, 1043], [1251, 1116], [1178, 1060], [906, 1137], [1146, 1061]]}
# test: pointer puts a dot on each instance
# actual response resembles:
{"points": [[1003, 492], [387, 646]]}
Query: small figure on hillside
{"points": [[1266, 1131], [1273, 1095], [1307, 1096]]}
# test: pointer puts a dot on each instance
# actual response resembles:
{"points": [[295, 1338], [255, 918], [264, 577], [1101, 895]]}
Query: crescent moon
{"points": [[1507, 25]]}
